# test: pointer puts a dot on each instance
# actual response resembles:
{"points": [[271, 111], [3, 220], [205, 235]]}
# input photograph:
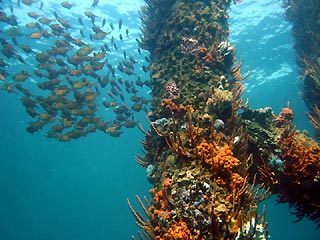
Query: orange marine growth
{"points": [[300, 156], [301, 159], [169, 104], [224, 157], [237, 180], [217, 157], [178, 231], [285, 116]]}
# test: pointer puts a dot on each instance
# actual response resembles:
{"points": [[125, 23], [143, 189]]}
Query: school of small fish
{"points": [[67, 77]]}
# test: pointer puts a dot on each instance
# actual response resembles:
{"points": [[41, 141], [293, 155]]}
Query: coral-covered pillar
{"points": [[304, 16], [196, 148]]}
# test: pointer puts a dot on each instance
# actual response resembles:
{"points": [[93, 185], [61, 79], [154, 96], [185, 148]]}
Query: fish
{"points": [[114, 91], [80, 20], [120, 23], [121, 96], [128, 64], [67, 5], [28, 102], [128, 71], [9, 88], [115, 84], [23, 90], [75, 72], [94, 3], [104, 81], [130, 124], [135, 98], [2, 77], [38, 73], [121, 118], [46, 117], [96, 29], [147, 58], [12, 20], [44, 20], [99, 56], [64, 23], [36, 35], [34, 15], [128, 84], [32, 112], [145, 69], [78, 42], [76, 60], [21, 76], [45, 65], [46, 34], [87, 68], [111, 95], [20, 58], [133, 90], [49, 85], [32, 25], [34, 126], [56, 28], [14, 40], [136, 107], [42, 57], [60, 62], [29, 2], [84, 51], [139, 82], [90, 15], [111, 26], [71, 76], [114, 130], [3, 63], [120, 81], [103, 22], [133, 60], [80, 85], [61, 43], [8, 50], [81, 33], [60, 91], [55, 51], [98, 66], [100, 35]]}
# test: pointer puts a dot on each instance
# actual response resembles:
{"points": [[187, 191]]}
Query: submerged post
{"points": [[197, 148]]}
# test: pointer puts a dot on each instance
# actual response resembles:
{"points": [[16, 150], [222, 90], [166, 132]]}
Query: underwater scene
{"points": [[132, 120]]}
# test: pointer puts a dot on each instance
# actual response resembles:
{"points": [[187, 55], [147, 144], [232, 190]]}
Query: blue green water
{"points": [[77, 190]]}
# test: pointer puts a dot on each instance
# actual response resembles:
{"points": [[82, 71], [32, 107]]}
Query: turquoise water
{"points": [[78, 190], [263, 40]]}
